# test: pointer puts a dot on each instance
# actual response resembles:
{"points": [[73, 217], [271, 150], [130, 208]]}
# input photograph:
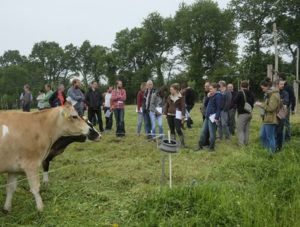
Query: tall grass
{"points": [[118, 181]]}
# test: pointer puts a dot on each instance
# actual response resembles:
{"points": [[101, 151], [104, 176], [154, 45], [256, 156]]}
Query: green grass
{"points": [[118, 181]]}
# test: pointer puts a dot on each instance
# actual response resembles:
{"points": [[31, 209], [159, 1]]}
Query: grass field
{"points": [[117, 181]]}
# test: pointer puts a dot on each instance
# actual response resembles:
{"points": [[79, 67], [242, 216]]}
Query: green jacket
{"points": [[46, 99], [271, 107]]}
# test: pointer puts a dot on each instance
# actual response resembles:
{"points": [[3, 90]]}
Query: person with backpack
{"points": [[244, 102], [26, 98], [270, 108], [282, 115]]}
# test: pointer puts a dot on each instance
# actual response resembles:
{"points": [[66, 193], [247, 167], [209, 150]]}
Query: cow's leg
{"points": [[34, 183], [46, 163], [10, 189]]}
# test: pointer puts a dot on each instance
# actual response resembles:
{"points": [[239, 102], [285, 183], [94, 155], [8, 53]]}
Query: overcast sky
{"points": [[25, 22]]}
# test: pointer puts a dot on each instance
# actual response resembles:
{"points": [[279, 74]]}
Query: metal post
{"points": [[296, 83], [170, 167], [276, 52], [162, 177], [270, 72]]}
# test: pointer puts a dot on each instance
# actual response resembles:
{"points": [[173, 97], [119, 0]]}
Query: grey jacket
{"points": [[226, 101], [156, 101]]}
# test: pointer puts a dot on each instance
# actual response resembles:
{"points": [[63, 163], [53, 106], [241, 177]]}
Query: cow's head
{"points": [[71, 123]]}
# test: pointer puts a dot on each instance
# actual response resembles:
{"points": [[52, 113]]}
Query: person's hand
{"points": [[217, 121], [258, 104], [208, 94]]}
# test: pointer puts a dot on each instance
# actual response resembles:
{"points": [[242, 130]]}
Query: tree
{"points": [[49, 56], [12, 57], [207, 38]]}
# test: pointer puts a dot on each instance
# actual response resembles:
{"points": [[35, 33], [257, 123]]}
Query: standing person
{"points": [[93, 99], [118, 97], [175, 112], [156, 111], [146, 105], [212, 118], [244, 115], [224, 119], [270, 121], [291, 105], [206, 91], [48, 94], [26, 98], [284, 96], [76, 97], [139, 108], [58, 98], [106, 107], [40, 100], [232, 109], [190, 98]]}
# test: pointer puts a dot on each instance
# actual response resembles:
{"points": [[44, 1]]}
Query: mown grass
{"points": [[117, 181]]}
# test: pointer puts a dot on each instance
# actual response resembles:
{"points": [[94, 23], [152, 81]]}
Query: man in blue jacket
{"points": [[212, 117]]}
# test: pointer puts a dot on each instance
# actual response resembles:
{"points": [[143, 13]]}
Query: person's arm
{"points": [[218, 103], [114, 96], [166, 106], [182, 106], [272, 105], [87, 98], [47, 96], [285, 99], [72, 94], [292, 99], [122, 96]]}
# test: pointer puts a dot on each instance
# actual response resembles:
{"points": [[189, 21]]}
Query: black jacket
{"points": [[239, 101], [190, 97], [292, 98], [93, 99]]}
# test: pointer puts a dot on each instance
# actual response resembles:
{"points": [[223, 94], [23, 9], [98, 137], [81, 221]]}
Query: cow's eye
{"points": [[75, 117]]}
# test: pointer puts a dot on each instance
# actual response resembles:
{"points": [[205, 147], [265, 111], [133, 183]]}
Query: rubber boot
{"points": [[182, 143]]}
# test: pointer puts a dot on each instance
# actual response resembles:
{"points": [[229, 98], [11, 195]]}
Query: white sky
{"points": [[25, 22]]}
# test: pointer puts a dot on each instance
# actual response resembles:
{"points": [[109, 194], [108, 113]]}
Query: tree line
{"points": [[198, 42]]}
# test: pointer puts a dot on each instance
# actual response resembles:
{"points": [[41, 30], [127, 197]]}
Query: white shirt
{"points": [[107, 99]]}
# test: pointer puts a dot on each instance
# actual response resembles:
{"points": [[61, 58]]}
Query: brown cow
{"points": [[26, 139]]}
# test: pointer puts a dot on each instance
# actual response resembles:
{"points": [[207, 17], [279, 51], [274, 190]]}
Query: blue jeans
{"points": [[224, 125], [268, 136], [119, 115], [157, 119], [147, 122], [140, 123], [208, 130]]}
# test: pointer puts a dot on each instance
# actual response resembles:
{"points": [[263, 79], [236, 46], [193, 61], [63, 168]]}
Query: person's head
{"points": [[174, 89], [265, 85], [213, 88], [94, 84], [282, 76], [279, 84], [26, 87], [109, 89], [162, 91], [230, 87], [206, 86], [222, 85], [149, 84], [76, 83], [143, 86], [47, 87], [119, 84], [61, 88], [244, 84]]}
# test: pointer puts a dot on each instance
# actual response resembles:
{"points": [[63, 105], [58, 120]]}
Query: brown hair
{"points": [[175, 86], [214, 85], [244, 84], [143, 85]]}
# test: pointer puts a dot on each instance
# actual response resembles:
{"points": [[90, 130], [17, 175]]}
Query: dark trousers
{"points": [[108, 120], [189, 121], [174, 124], [26, 108], [91, 116], [279, 133], [120, 125], [147, 122]]}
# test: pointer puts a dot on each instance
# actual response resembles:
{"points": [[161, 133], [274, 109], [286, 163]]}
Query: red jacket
{"points": [[118, 98], [140, 98]]}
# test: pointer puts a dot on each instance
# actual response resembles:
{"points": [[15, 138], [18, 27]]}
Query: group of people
{"points": [[221, 103], [224, 110]]}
